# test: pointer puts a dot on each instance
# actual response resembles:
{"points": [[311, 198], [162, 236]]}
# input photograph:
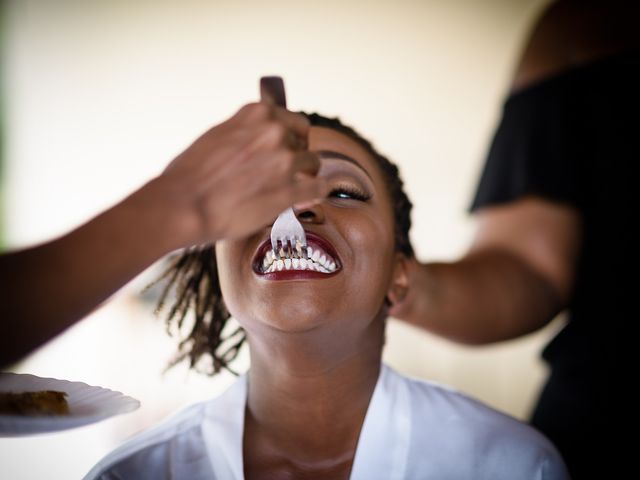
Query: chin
{"points": [[296, 317], [291, 312]]}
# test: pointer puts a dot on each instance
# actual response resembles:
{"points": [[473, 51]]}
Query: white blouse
{"points": [[413, 429]]}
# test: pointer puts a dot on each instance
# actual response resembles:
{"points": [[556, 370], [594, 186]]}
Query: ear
{"points": [[399, 282]]}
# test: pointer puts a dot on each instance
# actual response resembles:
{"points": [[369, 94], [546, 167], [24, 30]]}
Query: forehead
{"points": [[323, 138]]}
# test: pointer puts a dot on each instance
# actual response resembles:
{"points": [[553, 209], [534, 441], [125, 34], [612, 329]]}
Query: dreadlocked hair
{"points": [[193, 279], [193, 286]]}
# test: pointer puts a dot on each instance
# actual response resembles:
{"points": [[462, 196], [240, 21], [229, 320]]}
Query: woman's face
{"points": [[353, 228]]}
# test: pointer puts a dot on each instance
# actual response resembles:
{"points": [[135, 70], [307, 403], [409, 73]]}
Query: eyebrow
{"points": [[341, 156]]}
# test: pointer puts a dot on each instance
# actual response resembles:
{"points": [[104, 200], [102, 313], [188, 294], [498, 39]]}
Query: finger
{"points": [[267, 136], [297, 123], [306, 162], [272, 134], [253, 113], [257, 113], [282, 167], [264, 171], [310, 191]]}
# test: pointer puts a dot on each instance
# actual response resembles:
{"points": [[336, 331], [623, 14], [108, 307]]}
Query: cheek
{"points": [[372, 238], [373, 253]]}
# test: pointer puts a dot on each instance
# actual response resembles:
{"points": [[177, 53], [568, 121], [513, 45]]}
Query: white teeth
{"points": [[316, 260]]}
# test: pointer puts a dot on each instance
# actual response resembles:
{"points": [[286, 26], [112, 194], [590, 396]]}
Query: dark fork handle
{"points": [[272, 91]]}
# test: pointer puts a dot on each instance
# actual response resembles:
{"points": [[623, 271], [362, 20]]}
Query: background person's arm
{"points": [[516, 277], [230, 182], [518, 273]]}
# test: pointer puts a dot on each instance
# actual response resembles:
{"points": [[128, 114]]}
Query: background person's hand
{"points": [[238, 176]]}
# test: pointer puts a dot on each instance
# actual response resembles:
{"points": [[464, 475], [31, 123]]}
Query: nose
{"points": [[312, 215]]}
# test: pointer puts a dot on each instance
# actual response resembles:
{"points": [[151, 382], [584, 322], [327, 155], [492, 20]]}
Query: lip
{"points": [[313, 240]]}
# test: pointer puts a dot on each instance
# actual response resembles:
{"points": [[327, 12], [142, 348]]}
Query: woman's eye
{"points": [[348, 193]]}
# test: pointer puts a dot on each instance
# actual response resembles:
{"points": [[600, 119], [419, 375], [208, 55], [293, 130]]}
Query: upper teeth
{"points": [[316, 260]]}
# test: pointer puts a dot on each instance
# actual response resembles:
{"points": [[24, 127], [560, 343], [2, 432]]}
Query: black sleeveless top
{"points": [[573, 138]]}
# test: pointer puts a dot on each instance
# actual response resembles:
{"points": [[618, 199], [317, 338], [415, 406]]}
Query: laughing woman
{"points": [[317, 403]]}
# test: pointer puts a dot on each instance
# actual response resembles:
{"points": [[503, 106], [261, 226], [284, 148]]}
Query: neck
{"points": [[309, 392]]}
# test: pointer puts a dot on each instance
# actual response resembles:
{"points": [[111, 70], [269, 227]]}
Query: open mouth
{"points": [[318, 257]]}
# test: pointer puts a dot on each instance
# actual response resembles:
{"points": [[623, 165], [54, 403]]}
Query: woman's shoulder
{"points": [[462, 424], [142, 452], [434, 401], [177, 447]]}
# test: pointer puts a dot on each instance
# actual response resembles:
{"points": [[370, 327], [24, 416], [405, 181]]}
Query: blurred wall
{"points": [[99, 96]]}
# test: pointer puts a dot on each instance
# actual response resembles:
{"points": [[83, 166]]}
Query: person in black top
{"points": [[555, 230]]}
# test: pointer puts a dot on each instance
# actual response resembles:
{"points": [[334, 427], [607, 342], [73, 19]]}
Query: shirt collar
{"points": [[383, 445], [222, 431]]}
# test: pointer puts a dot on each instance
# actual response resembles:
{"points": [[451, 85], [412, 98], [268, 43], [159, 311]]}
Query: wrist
{"points": [[168, 213]]}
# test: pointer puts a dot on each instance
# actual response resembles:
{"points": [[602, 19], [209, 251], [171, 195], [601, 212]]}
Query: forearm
{"points": [[227, 184], [47, 288], [488, 297]]}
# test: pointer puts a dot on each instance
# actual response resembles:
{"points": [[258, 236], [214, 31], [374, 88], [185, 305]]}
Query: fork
{"points": [[287, 235]]}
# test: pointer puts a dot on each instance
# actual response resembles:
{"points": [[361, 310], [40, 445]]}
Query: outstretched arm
{"points": [[517, 275], [230, 182]]}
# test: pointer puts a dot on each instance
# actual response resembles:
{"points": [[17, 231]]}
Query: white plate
{"points": [[87, 405]]}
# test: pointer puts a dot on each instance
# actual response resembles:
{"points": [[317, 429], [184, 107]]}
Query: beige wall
{"points": [[100, 95]]}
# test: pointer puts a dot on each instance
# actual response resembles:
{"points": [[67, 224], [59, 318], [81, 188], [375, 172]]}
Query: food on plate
{"points": [[43, 402]]}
